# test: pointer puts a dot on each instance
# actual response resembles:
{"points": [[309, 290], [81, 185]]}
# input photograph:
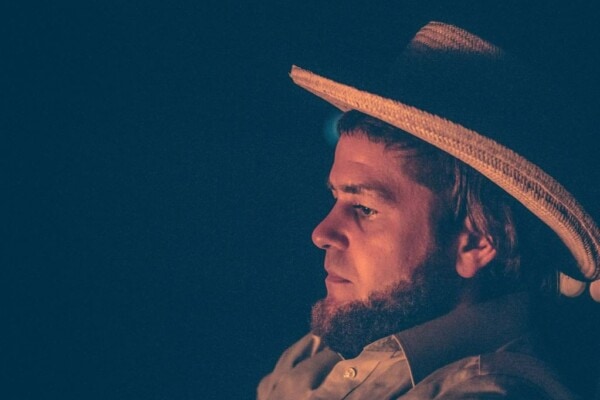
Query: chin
{"points": [[347, 324]]}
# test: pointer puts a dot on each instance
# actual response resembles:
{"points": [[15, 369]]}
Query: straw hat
{"points": [[474, 101]]}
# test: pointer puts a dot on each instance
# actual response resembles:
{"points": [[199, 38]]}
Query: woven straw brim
{"points": [[525, 181]]}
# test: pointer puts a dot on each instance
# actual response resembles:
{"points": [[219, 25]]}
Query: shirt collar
{"points": [[465, 331]]}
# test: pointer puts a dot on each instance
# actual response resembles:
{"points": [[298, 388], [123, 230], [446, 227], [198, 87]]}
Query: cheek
{"points": [[381, 267], [394, 258]]}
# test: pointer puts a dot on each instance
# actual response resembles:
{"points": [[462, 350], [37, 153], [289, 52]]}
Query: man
{"points": [[433, 260]]}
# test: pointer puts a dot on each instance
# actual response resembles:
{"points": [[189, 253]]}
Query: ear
{"points": [[475, 251]]}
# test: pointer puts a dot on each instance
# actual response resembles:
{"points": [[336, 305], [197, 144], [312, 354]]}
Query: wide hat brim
{"points": [[539, 192]]}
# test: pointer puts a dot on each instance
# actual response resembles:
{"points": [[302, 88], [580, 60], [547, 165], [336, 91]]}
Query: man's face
{"points": [[380, 229]]}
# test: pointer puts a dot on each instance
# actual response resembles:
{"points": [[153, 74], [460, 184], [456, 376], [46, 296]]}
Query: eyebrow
{"points": [[374, 188]]}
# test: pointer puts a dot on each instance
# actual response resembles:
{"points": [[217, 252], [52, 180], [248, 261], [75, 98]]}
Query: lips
{"points": [[333, 278], [338, 289]]}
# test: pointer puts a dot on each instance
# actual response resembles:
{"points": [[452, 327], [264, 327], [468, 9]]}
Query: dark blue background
{"points": [[163, 175]]}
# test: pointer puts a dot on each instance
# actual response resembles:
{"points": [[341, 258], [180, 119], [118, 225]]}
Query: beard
{"points": [[347, 328]]}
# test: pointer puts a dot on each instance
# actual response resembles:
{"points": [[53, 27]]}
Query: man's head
{"points": [[413, 233], [474, 101]]}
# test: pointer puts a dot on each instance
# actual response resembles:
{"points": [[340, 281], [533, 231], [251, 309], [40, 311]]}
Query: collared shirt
{"points": [[474, 352]]}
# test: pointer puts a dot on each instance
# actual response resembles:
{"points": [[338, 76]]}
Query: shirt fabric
{"points": [[482, 351]]}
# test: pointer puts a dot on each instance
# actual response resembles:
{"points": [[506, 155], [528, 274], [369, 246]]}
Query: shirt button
{"points": [[350, 373]]}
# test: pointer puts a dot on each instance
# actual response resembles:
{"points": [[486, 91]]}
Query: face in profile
{"points": [[380, 227], [385, 267]]}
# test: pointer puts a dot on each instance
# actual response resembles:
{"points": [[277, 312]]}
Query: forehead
{"points": [[359, 155], [360, 161]]}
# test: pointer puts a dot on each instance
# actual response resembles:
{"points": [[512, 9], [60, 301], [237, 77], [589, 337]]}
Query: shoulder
{"points": [[304, 348], [504, 374], [299, 363]]}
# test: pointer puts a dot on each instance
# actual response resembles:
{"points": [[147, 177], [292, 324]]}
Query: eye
{"points": [[364, 211]]}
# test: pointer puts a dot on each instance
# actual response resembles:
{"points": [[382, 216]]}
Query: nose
{"points": [[329, 233]]}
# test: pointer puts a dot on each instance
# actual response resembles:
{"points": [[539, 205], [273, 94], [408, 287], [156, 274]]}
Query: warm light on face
{"points": [[379, 229]]}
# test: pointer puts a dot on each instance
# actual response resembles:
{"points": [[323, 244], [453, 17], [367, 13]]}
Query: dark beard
{"points": [[348, 328]]}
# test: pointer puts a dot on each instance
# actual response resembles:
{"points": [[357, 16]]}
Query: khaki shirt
{"points": [[476, 352]]}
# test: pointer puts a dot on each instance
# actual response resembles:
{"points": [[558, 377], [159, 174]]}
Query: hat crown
{"points": [[443, 37], [461, 77]]}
